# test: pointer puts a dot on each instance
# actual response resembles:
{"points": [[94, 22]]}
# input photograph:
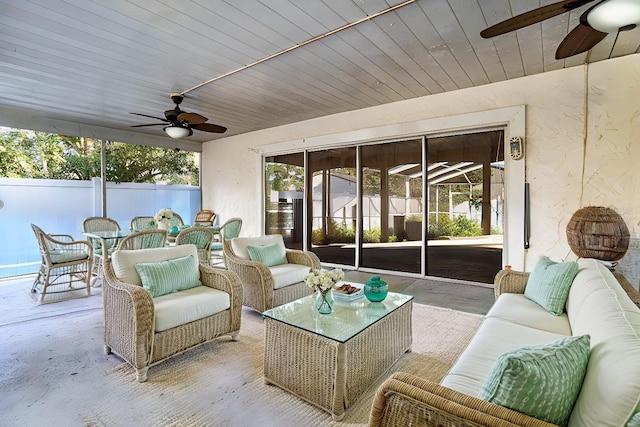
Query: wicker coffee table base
{"points": [[330, 374]]}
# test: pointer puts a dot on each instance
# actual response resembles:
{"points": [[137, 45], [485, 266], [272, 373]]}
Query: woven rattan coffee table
{"points": [[331, 359]]}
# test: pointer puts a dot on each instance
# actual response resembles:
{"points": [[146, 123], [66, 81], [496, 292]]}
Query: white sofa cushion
{"points": [[240, 244], [288, 274], [494, 337], [516, 308], [124, 261], [186, 306]]}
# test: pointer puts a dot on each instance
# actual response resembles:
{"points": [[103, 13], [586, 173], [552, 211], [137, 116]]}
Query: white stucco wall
{"points": [[554, 141]]}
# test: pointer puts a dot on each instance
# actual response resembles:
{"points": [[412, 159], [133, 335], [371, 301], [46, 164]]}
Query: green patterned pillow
{"points": [[549, 283], [541, 381], [165, 277], [269, 255], [634, 421]]}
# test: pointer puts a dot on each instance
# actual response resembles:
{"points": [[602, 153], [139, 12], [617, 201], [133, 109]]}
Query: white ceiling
{"points": [[80, 66]]}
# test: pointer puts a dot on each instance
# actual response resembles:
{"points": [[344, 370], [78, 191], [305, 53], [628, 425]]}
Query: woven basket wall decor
{"points": [[598, 232]]}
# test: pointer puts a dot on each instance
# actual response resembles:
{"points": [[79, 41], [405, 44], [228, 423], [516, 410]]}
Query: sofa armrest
{"points": [[405, 399], [307, 258], [128, 318], [510, 281]]}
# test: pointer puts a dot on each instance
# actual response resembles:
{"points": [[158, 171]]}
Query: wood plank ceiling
{"points": [[81, 66]]}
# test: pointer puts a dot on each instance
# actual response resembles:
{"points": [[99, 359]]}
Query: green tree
{"points": [[28, 154]]}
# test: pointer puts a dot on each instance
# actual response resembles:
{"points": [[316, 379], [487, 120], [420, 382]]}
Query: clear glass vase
{"points": [[324, 301]]}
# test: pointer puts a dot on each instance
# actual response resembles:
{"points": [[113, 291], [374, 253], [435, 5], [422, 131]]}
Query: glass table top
{"points": [[348, 319], [107, 234]]}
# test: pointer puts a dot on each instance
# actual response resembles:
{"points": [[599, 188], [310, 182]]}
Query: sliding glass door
{"points": [[391, 201], [331, 205], [429, 207]]}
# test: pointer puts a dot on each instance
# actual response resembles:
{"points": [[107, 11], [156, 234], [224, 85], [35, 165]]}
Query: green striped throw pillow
{"points": [[541, 381], [549, 283], [269, 255], [165, 277]]}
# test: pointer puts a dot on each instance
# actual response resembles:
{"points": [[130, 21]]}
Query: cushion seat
{"points": [[180, 308], [288, 274], [518, 309], [494, 337], [60, 256]]}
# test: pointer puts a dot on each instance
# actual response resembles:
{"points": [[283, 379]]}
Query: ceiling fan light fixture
{"points": [[613, 15], [177, 131]]}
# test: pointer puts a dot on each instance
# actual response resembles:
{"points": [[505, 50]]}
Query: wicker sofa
{"points": [[597, 306], [146, 330], [265, 287]]}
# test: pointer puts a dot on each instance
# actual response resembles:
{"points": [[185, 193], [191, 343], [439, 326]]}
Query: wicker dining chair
{"points": [[99, 223], [139, 223], [199, 236], [65, 263], [145, 239], [230, 229], [204, 217], [176, 221]]}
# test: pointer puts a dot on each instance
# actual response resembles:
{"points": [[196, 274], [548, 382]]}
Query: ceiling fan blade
{"points": [[208, 127], [532, 17], [192, 118], [580, 39], [151, 117], [150, 124]]}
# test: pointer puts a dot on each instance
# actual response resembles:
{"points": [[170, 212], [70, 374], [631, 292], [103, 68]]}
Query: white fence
{"points": [[59, 207]]}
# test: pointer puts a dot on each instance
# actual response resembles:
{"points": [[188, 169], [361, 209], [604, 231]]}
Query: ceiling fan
{"points": [[181, 123], [607, 16]]}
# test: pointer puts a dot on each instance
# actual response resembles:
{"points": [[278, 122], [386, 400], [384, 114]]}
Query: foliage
{"points": [[372, 235], [284, 177], [461, 226], [29, 154]]}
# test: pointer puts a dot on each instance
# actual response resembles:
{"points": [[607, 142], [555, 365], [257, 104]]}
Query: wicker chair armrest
{"points": [[405, 399], [62, 237], [511, 282], [307, 258], [129, 318], [226, 281]]}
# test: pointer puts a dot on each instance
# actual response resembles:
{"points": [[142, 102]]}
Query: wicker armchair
{"points": [[199, 236], [139, 223], [130, 313], [144, 239], [230, 229], [204, 217], [263, 286], [98, 223], [65, 263]]}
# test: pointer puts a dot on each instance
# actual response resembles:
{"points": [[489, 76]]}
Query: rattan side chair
{"points": [[204, 217], [145, 239], [199, 236], [139, 223], [230, 229], [65, 263], [99, 223]]}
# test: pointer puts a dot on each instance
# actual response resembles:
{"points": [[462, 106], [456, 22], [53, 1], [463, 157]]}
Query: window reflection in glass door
{"points": [[332, 205], [284, 193], [392, 206]]}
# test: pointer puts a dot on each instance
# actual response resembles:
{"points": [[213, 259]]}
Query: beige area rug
{"points": [[53, 372]]}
